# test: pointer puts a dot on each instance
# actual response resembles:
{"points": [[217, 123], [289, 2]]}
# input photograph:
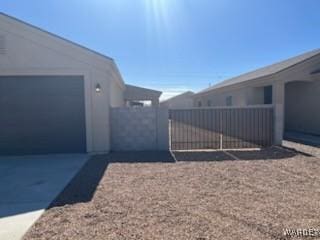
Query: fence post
{"points": [[278, 92], [162, 125], [221, 129]]}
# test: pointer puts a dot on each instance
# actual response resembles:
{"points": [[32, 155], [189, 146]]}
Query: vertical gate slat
{"points": [[244, 127]]}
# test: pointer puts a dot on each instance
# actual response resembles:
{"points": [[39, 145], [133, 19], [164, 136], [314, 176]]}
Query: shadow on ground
{"points": [[83, 186], [199, 156], [141, 157], [271, 153]]}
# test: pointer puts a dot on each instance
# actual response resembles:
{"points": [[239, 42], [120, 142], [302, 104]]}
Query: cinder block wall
{"points": [[139, 129]]}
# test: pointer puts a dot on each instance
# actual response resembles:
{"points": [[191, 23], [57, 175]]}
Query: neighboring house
{"points": [[55, 95], [292, 86], [135, 104], [183, 100], [134, 94]]}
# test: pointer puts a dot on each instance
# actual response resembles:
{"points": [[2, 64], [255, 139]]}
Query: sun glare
{"points": [[161, 15], [158, 11]]}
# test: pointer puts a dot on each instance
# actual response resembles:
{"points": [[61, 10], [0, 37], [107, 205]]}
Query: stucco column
{"points": [[278, 91]]}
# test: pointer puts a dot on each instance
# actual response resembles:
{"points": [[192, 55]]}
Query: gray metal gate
{"points": [[221, 128]]}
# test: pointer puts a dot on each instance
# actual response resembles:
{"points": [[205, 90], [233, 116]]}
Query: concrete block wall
{"points": [[139, 129]]}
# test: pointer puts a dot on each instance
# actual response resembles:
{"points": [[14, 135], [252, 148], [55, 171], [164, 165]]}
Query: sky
{"points": [[180, 45]]}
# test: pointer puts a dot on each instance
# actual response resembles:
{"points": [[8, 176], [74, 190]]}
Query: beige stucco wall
{"points": [[255, 96], [29, 51], [116, 95], [302, 101], [239, 98]]}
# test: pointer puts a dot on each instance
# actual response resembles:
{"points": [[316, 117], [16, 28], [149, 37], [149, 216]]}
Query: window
{"points": [[267, 95], [2, 44], [209, 103], [229, 101], [199, 104]]}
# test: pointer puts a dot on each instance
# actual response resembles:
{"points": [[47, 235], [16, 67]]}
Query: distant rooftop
{"points": [[188, 93], [139, 93]]}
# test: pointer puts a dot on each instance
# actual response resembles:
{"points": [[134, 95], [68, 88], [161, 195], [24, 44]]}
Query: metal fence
{"points": [[221, 128]]}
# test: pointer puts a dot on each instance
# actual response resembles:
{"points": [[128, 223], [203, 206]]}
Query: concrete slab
{"points": [[301, 142], [28, 185], [303, 148], [302, 138]]}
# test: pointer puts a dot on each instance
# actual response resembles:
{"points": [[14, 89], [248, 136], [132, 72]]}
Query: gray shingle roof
{"points": [[265, 71]]}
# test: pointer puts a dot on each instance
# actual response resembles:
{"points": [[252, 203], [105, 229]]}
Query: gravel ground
{"points": [[201, 196]]}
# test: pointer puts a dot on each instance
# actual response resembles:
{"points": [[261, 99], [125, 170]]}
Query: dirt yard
{"points": [[233, 195]]}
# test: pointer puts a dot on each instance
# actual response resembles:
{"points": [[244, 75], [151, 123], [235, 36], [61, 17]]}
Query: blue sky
{"points": [[179, 45]]}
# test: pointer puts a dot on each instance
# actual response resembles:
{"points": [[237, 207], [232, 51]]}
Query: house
{"points": [[56, 95], [292, 86], [183, 100], [134, 94]]}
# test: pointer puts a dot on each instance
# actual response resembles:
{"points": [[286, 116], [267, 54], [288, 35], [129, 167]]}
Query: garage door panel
{"points": [[42, 115], [48, 111], [48, 103]]}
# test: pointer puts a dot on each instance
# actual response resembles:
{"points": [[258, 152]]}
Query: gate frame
{"points": [[221, 148]]}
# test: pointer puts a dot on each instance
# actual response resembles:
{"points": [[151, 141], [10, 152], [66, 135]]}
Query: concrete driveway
{"points": [[28, 185]]}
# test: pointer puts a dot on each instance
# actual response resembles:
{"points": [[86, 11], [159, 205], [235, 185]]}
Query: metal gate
{"points": [[221, 128]]}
